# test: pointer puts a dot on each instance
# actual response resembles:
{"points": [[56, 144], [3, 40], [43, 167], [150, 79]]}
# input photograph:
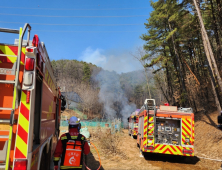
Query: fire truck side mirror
{"points": [[134, 118], [63, 102]]}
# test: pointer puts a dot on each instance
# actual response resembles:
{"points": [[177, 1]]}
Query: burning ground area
{"points": [[120, 151]]}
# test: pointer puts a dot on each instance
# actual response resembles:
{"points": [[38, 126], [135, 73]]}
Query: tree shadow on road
{"points": [[171, 158], [212, 123], [92, 163], [200, 117]]}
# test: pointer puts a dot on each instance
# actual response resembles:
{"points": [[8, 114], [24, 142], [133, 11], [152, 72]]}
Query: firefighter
{"points": [[73, 139]]}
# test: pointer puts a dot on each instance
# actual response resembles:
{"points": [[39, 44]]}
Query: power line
{"points": [[72, 24], [77, 16], [73, 9], [86, 31]]}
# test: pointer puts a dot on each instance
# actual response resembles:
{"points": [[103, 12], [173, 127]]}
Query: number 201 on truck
{"points": [[30, 104]]}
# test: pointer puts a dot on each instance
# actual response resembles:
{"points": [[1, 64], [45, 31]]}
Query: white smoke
{"points": [[122, 61], [111, 93]]}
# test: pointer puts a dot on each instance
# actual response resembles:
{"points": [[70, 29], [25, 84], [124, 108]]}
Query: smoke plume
{"points": [[112, 96]]}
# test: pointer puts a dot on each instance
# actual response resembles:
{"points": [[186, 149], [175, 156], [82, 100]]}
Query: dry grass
{"points": [[109, 143], [69, 113]]}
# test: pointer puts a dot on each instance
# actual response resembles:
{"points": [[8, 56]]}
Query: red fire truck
{"points": [[29, 104], [168, 130], [133, 123]]}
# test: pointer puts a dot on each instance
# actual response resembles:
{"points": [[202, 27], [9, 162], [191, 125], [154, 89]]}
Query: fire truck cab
{"points": [[29, 104]]}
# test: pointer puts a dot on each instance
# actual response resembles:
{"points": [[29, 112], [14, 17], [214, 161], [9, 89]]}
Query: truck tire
{"points": [[48, 158], [45, 160]]}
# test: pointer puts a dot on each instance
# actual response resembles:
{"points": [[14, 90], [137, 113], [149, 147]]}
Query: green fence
{"points": [[87, 123], [64, 123], [94, 124]]}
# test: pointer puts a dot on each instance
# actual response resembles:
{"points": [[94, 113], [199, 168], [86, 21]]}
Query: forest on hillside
{"points": [[177, 47], [104, 92]]}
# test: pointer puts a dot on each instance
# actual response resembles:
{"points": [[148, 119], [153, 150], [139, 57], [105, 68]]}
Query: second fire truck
{"points": [[167, 130], [133, 123]]}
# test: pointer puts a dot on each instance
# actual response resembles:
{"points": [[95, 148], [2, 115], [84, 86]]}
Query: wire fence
{"points": [[115, 124]]}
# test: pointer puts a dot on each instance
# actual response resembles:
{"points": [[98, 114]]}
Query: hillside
{"points": [[104, 92]]}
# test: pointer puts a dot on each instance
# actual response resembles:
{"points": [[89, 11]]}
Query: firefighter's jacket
{"points": [[61, 147]]}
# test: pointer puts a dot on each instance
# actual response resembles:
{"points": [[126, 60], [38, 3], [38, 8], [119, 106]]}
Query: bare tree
{"points": [[140, 53], [89, 98]]}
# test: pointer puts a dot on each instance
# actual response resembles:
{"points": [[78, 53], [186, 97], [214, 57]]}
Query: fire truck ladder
{"points": [[151, 118], [5, 152]]}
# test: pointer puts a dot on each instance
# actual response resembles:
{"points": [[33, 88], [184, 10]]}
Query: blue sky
{"points": [[106, 46]]}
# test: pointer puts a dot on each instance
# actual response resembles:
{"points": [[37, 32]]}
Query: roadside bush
{"points": [[109, 143]]}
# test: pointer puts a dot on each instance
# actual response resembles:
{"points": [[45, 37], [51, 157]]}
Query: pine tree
{"points": [[86, 72], [174, 46]]}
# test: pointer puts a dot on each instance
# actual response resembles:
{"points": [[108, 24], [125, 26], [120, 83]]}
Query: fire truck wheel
{"points": [[48, 158], [45, 160]]}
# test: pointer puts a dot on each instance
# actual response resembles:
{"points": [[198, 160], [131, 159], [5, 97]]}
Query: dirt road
{"points": [[207, 144], [149, 161]]}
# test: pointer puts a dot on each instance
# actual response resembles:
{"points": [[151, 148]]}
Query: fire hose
{"points": [[98, 156]]}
